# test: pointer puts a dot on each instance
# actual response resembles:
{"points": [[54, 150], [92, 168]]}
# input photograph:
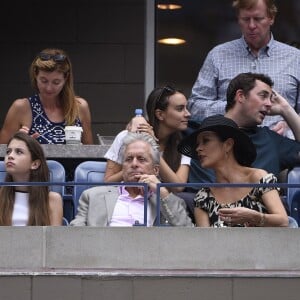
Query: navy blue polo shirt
{"points": [[274, 154]]}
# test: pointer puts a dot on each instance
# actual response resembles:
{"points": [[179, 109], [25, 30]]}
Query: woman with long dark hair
{"points": [[168, 117], [220, 145]]}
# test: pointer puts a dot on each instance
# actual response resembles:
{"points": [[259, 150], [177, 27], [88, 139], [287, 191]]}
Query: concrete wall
{"points": [[105, 40], [149, 263]]}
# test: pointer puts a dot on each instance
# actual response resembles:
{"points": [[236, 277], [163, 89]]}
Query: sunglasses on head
{"points": [[54, 57], [165, 89]]}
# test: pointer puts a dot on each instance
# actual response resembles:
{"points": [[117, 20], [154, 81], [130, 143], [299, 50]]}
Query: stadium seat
{"points": [[293, 193], [88, 172], [57, 174]]}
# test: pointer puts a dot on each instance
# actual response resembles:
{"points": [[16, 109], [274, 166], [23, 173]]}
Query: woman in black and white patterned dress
{"points": [[220, 145]]}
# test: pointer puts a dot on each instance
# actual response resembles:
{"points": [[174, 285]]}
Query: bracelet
{"points": [[262, 220]]}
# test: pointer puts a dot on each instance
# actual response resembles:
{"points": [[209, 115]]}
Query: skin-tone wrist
{"points": [[282, 107], [258, 219], [255, 218], [262, 220], [288, 112]]}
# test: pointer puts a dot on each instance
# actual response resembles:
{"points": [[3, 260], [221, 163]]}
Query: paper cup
{"points": [[73, 134]]}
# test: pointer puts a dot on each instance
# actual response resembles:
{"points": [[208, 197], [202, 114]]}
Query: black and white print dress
{"points": [[253, 200]]}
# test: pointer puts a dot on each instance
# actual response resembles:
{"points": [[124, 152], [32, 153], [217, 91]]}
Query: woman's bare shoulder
{"points": [[20, 103], [257, 174], [19, 111], [81, 100], [83, 104]]}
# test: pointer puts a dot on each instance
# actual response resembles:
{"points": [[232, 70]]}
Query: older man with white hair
{"points": [[124, 205]]}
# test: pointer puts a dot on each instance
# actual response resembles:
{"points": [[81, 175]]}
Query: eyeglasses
{"points": [[54, 57], [166, 88]]}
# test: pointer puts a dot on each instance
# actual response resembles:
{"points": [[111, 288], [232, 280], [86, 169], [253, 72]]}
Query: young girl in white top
{"points": [[28, 205]]}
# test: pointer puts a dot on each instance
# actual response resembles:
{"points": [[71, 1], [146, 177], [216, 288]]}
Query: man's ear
{"points": [[156, 170], [35, 164], [239, 95]]}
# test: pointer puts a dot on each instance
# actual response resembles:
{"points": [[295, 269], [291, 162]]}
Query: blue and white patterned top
{"points": [[50, 132], [225, 61]]}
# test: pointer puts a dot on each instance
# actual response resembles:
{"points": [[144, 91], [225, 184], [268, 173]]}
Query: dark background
{"points": [[106, 42], [204, 24]]}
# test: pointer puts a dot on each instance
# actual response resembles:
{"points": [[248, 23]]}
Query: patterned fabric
{"points": [[280, 61], [50, 132], [253, 200]]}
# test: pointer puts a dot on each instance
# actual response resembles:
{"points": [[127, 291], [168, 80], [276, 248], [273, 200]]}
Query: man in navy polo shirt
{"points": [[249, 99]]}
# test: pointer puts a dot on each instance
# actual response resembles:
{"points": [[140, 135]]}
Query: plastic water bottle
{"points": [[137, 120]]}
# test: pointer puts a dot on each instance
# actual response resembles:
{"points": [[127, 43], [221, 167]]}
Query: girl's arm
{"points": [[85, 119], [113, 172], [56, 209], [18, 115]]}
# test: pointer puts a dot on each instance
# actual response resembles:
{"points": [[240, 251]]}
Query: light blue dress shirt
{"points": [[278, 60]]}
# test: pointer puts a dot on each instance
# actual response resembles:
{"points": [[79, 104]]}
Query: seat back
{"points": [[57, 174], [293, 193], [2, 171], [88, 172], [65, 222]]}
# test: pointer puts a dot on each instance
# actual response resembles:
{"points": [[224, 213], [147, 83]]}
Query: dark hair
{"points": [[159, 99], [245, 82], [248, 4], [238, 152], [38, 195], [244, 150]]}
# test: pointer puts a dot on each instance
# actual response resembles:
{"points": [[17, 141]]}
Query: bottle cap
{"points": [[138, 111]]}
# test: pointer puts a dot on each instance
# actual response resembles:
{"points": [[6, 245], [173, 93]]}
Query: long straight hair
{"points": [[159, 99], [39, 211], [68, 99]]}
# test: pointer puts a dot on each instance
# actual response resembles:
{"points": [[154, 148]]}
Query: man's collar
{"points": [[123, 191], [265, 49], [252, 129]]}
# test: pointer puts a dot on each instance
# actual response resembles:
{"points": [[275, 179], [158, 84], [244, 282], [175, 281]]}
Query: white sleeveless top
{"points": [[21, 209]]}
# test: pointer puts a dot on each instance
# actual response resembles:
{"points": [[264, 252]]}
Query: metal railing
{"points": [[159, 185], [72, 183], [210, 184]]}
